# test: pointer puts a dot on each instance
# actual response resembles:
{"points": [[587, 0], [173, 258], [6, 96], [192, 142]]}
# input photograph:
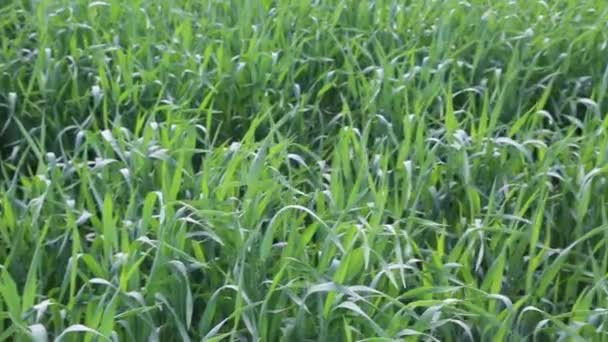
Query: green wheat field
{"points": [[303, 170]]}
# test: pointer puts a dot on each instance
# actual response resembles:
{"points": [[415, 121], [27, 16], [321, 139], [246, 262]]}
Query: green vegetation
{"points": [[298, 170]]}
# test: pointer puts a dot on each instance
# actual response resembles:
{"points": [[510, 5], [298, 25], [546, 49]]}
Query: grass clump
{"points": [[303, 170]]}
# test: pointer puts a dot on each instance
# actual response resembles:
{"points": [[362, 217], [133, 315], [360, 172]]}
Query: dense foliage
{"points": [[292, 170]]}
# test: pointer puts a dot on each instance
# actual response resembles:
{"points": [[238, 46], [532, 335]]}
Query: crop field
{"points": [[303, 170]]}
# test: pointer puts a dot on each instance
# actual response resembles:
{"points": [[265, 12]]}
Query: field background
{"points": [[296, 170]]}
